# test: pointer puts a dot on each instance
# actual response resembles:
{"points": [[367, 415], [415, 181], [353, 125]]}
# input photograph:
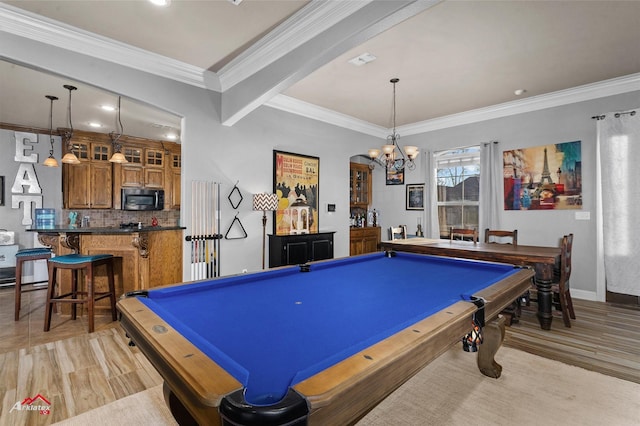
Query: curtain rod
{"points": [[616, 115]]}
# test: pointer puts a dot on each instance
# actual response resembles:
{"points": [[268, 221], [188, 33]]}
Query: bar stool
{"points": [[26, 255], [76, 262]]}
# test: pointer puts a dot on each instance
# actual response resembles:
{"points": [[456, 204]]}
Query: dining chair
{"points": [[560, 286], [398, 233], [463, 234], [498, 236]]}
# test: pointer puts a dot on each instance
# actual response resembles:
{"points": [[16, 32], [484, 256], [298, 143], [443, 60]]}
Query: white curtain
{"points": [[619, 155], [491, 183], [432, 229]]}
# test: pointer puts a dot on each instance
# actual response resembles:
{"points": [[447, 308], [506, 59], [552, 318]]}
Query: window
{"points": [[458, 181]]}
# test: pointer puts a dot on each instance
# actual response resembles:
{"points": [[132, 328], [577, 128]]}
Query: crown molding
{"points": [[48, 31], [587, 92], [314, 112], [615, 86]]}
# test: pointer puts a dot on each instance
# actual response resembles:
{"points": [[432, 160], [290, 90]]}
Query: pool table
{"points": [[320, 343]]}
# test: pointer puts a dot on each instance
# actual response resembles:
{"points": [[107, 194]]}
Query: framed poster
{"points": [[395, 173], [296, 181], [415, 196]]}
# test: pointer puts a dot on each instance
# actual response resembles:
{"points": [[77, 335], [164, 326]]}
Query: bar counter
{"points": [[147, 257]]}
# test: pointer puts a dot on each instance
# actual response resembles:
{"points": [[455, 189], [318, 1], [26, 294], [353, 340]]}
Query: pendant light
{"points": [[117, 156], [392, 151], [51, 161], [69, 157]]}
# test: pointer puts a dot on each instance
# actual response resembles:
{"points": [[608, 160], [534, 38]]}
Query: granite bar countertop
{"points": [[104, 230]]}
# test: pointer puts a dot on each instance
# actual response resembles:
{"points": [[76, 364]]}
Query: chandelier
{"points": [[69, 157], [392, 151]]}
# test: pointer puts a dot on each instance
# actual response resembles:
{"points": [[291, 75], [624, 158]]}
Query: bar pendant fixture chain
{"points": [[205, 230]]}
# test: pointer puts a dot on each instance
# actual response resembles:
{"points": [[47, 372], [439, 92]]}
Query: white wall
{"points": [[542, 227]]}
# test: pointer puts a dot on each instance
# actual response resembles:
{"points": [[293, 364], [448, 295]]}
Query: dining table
{"points": [[541, 259]]}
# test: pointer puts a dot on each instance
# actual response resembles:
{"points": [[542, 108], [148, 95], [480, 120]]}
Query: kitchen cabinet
{"points": [[364, 240], [88, 185], [298, 249], [173, 190], [96, 183]]}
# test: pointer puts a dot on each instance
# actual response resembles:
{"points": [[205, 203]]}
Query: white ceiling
{"points": [[454, 57]]}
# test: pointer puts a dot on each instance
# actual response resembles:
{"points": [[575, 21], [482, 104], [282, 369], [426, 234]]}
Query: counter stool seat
{"points": [[76, 262], [26, 255]]}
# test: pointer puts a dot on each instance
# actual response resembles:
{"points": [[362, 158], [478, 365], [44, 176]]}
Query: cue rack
{"points": [[205, 230]]}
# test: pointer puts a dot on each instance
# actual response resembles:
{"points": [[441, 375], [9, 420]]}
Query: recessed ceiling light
{"points": [[519, 92], [172, 136], [94, 124], [108, 108], [363, 59], [161, 3]]}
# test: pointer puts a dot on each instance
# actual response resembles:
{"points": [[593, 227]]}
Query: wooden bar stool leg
{"points": [[50, 295], [18, 288], [112, 290], [90, 296], [74, 292]]}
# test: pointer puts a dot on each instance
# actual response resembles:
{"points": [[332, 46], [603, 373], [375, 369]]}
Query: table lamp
{"points": [[264, 202]]}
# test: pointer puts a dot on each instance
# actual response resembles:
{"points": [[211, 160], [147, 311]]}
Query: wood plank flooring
{"points": [[604, 337], [81, 371]]}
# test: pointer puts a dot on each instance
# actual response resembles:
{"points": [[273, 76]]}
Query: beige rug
{"points": [[451, 391]]}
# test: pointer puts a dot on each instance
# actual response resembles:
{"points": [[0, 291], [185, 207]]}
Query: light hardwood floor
{"points": [[82, 371]]}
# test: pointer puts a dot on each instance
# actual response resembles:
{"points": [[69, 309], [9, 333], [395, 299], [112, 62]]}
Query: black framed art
{"points": [[415, 196]]}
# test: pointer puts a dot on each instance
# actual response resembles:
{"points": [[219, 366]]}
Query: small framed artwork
{"points": [[1, 190], [395, 174], [415, 196]]}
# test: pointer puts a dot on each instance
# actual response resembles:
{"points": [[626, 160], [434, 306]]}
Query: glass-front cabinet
{"points": [[360, 185]]}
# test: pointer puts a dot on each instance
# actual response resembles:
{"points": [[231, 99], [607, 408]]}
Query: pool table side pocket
{"points": [[197, 381], [349, 389]]}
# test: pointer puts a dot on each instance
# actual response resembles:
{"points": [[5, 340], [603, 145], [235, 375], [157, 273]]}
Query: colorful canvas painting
{"points": [[545, 177]]}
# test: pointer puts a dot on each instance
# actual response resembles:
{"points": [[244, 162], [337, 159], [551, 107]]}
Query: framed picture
{"points": [[296, 181], [415, 196], [1, 190], [395, 174]]}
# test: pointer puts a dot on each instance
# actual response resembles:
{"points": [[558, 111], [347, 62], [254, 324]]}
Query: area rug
{"points": [[451, 391]]}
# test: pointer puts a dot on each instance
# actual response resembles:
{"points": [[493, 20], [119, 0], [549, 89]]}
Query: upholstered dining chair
{"points": [[463, 234], [501, 237], [398, 233]]}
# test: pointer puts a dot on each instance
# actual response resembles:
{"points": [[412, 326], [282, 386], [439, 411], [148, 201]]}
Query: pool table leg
{"points": [[493, 335], [178, 410]]}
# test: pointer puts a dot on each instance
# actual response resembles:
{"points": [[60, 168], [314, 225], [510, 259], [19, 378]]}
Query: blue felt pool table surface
{"points": [[273, 329]]}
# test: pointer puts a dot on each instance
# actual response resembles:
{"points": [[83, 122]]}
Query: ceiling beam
{"points": [[362, 24]]}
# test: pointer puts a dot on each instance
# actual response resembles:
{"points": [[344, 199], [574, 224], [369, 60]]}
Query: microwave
{"points": [[142, 199]]}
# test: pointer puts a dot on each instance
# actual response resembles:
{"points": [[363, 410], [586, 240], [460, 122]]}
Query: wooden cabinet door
{"points": [[77, 185], [131, 176], [101, 185], [153, 178], [175, 193]]}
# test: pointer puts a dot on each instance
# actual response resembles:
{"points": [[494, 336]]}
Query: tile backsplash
{"points": [[106, 218]]}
